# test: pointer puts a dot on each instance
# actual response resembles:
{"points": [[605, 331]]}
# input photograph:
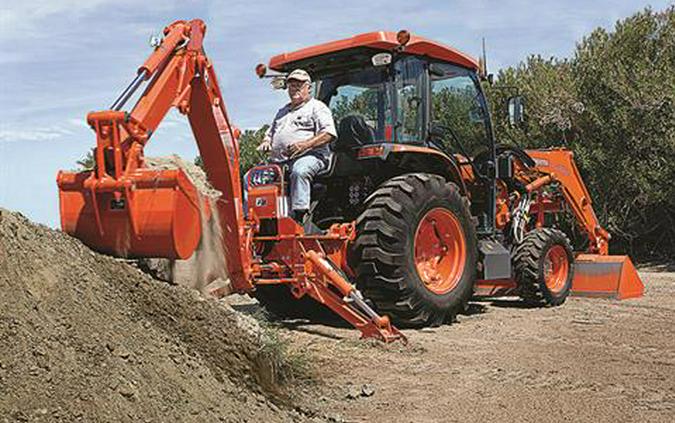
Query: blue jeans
{"points": [[303, 171]]}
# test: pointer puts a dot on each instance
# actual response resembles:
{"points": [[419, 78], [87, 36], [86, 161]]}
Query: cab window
{"points": [[455, 104]]}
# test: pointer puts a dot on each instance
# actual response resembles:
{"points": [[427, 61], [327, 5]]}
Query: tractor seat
{"points": [[353, 132]]}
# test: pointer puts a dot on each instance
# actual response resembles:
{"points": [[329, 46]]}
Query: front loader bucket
{"points": [[606, 277], [151, 213]]}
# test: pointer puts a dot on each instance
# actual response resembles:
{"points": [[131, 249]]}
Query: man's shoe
{"points": [[299, 216]]}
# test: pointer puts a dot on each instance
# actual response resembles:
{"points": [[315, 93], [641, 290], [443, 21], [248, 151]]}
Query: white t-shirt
{"points": [[300, 124]]}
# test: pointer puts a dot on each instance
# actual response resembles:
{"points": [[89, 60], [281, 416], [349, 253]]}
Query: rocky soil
{"points": [[588, 360], [86, 337]]}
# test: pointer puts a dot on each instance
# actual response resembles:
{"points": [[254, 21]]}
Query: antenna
{"points": [[485, 67], [482, 67]]}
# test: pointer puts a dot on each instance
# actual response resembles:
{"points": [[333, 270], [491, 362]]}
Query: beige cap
{"points": [[299, 75]]}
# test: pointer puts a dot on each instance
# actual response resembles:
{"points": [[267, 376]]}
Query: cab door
{"points": [[457, 104]]}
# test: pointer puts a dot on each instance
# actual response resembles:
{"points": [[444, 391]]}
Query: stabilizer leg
{"points": [[352, 307]]}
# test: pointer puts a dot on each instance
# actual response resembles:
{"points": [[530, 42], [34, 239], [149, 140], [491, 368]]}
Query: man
{"points": [[299, 135]]}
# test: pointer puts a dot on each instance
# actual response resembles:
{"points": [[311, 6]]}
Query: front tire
{"points": [[544, 266], [415, 251]]}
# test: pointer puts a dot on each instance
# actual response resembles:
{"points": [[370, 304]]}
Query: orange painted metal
{"points": [[149, 214], [559, 165], [124, 208], [323, 275], [381, 40], [494, 287], [606, 276], [556, 268], [303, 262], [502, 202], [440, 250], [538, 183], [596, 274]]}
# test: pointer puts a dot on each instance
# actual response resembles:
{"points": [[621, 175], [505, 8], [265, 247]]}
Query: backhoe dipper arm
{"points": [[182, 76]]}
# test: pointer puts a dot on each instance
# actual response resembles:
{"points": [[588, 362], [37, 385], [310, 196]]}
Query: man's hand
{"points": [[264, 146], [298, 148]]}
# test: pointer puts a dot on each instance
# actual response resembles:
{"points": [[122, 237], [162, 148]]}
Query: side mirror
{"points": [[278, 82], [516, 109], [490, 169]]}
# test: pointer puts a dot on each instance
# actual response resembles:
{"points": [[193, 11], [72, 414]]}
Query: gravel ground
{"points": [[588, 360]]}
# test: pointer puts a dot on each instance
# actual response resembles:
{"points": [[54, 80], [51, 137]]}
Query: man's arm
{"points": [[325, 128], [266, 143], [318, 140]]}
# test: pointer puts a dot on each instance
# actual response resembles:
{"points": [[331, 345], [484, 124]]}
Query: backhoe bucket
{"points": [[151, 213], [606, 277]]}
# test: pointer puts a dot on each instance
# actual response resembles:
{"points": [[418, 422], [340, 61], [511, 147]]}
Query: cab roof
{"points": [[379, 40]]}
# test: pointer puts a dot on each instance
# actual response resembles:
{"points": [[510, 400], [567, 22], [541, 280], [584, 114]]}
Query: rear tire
{"points": [[415, 251], [544, 267]]}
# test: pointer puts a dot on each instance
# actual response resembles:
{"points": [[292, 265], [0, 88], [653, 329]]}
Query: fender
{"points": [[416, 159]]}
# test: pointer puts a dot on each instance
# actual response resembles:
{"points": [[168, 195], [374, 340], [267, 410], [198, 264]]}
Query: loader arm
{"points": [[559, 165], [180, 75]]}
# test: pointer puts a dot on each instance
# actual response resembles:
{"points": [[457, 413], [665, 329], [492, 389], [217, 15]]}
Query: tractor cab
{"points": [[401, 104]]}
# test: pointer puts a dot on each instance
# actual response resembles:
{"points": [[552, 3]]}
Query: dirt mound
{"points": [[85, 336]]}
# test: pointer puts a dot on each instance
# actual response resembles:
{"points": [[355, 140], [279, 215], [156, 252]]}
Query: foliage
{"points": [[453, 107], [613, 104], [87, 162], [248, 142], [249, 156], [365, 104]]}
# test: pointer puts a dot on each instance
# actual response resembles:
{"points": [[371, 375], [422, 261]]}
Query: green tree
{"points": [[249, 141], [613, 104], [87, 162], [249, 156]]}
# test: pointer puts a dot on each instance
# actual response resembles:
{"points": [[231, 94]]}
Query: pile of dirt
{"points": [[88, 337]]}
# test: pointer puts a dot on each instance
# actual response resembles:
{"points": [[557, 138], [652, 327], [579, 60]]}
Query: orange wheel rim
{"points": [[556, 268], [440, 250]]}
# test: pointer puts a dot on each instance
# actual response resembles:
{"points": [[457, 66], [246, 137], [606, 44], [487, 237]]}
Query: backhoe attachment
{"points": [[124, 208], [129, 212]]}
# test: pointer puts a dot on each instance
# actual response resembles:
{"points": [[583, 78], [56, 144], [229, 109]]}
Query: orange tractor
{"points": [[419, 210]]}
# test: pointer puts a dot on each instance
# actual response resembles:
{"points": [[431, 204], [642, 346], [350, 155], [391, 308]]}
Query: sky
{"points": [[64, 58]]}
